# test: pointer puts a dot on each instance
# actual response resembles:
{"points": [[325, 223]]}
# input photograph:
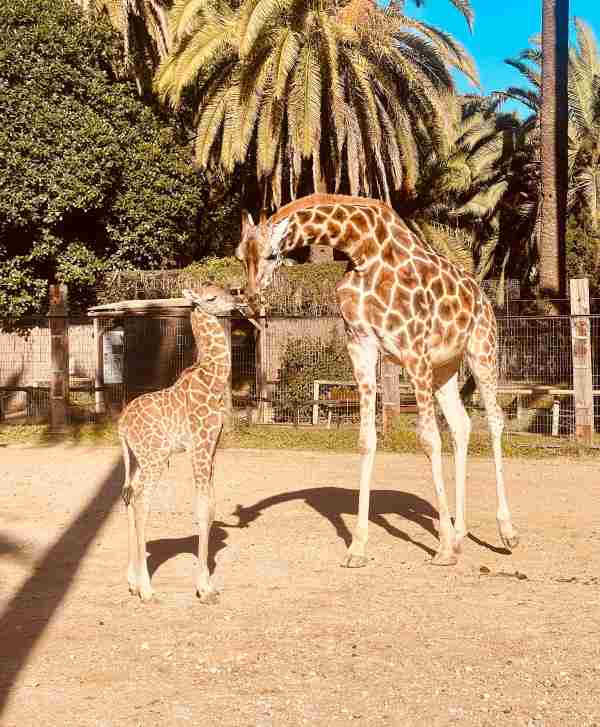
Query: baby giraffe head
{"points": [[214, 300]]}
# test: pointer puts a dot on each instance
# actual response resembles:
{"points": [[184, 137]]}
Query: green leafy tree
{"points": [[91, 178], [323, 96]]}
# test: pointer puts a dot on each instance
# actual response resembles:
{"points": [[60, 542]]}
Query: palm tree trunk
{"points": [[554, 140]]}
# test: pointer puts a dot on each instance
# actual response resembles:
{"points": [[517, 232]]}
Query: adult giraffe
{"points": [[404, 299]]}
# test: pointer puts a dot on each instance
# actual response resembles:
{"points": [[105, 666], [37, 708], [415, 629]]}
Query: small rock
{"points": [[484, 570]]}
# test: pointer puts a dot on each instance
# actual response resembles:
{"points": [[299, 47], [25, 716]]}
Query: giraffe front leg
{"points": [[202, 465], [364, 359]]}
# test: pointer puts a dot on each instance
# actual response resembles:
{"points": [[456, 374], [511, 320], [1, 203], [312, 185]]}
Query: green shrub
{"points": [[304, 360]]}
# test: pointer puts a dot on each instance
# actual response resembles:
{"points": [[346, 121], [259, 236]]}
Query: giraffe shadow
{"points": [[163, 549], [333, 502], [484, 544]]}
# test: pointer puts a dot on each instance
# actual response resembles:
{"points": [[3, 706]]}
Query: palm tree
{"points": [[312, 95], [481, 195], [144, 27], [553, 147], [583, 129]]}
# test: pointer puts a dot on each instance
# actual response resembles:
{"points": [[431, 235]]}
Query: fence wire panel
{"points": [[144, 353], [24, 362], [535, 351], [243, 367], [298, 353]]}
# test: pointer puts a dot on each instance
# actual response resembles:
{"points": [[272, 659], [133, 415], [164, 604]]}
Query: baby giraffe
{"points": [[187, 416]]}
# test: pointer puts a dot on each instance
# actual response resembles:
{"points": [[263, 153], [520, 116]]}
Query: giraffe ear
{"points": [[278, 232], [247, 221]]}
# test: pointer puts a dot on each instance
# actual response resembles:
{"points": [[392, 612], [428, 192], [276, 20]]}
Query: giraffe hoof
{"points": [[355, 561], [445, 558], [133, 590], [510, 542], [508, 535], [146, 596], [208, 597]]}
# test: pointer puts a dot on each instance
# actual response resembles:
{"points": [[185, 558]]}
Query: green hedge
{"points": [[307, 289]]}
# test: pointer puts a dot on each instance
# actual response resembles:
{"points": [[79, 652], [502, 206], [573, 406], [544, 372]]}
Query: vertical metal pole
{"points": [[99, 372], [582, 361], [59, 357]]}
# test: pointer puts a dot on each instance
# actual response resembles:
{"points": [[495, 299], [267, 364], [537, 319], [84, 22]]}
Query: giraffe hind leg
{"points": [[486, 377], [429, 436], [143, 487], [128, 494], [448, 397]]}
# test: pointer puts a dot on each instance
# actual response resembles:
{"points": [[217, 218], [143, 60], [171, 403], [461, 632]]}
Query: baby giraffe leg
{"points": [[127, 495], [132, 563], [202, 466], [148, 477]]}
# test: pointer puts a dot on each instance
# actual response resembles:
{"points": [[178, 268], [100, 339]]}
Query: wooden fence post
{"points": [[582, 361], [59, 357], [390, 391]]}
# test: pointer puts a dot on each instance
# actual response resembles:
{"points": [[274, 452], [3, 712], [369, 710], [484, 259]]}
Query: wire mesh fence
{"points": [[296, 371]]}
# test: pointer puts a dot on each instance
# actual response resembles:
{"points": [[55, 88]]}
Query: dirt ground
{"points": [[295, 639]]}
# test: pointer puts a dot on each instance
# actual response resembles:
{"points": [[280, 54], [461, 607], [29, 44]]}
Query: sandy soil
{"points": [[295, 639]]}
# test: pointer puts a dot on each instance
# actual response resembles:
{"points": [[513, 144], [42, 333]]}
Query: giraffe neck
{"points": [[355, 226], [212, 346]]}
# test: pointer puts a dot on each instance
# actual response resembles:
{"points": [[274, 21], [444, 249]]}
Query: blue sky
{"points": [[502, 30]]}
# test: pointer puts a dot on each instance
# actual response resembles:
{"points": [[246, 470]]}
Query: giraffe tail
{"points": [[127, 491]]}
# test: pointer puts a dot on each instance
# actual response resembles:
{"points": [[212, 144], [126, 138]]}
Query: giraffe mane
{"points": [[317, 199]]}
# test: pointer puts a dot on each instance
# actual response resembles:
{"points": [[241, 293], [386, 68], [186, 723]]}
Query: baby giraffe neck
{"points": [[212, 345]]}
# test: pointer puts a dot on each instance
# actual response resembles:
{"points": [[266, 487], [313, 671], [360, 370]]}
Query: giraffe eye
{"points": [[271, 257], [211, 298]]}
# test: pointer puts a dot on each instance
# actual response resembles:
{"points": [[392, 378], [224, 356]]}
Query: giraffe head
{"points": [[260, 250], [214, 300]]}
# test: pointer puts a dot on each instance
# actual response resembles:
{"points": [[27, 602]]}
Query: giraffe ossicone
{"points": [[186, 416], [403, 299]]}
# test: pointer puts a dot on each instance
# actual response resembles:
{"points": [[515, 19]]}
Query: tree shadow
{"points": [[163, 549], [28, 613], [332, 502]]}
